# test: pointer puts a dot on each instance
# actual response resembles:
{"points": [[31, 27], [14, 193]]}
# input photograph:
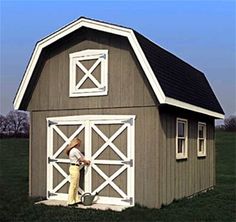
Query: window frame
{"points": [[203, 153], [88, 54], [183, 154]]}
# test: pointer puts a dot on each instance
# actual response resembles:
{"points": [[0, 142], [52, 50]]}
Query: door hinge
{"points": [[51, 123], [51, 160], [51, 194], [130, 162], [129, 200], [130, 121], [103, 56]]}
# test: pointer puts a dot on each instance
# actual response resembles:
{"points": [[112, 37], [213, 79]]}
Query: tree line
{"points": [[14, 124], [229, 124]]}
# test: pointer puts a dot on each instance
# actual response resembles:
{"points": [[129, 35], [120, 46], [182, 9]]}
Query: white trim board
{"points": [[177, 103], [101, 26]]}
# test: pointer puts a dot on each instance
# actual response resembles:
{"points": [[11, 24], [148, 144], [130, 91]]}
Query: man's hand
{"points": [[84, 161], [87, 162]]}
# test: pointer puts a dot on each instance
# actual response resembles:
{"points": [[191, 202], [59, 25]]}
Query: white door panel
{"points": [[91, 124]]}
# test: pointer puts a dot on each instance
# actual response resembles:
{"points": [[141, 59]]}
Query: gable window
{"points": [[201, 142], [181, 138], [88, 73]]}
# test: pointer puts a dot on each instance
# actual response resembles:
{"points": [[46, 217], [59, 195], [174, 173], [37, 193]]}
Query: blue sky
{"points": [[200, 32]]}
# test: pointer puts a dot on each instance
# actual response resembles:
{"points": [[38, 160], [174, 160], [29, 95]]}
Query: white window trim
{"points": [[182, 155], [102, 87], [201, 154]]}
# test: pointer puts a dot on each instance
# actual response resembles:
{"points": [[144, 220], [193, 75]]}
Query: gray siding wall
{"points": [[127, 84], [160, 178], [146, 159], [183, 178], [129, 93]]}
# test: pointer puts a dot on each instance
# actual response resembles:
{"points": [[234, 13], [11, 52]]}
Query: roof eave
{"points": [[180, 104]]}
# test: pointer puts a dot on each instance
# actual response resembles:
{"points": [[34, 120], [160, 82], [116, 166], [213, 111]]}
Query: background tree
{"points": [[16, 124], [3, 124], [230, 123]]}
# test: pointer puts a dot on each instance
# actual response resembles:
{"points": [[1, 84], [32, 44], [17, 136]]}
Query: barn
{"points": [[145, 117]]}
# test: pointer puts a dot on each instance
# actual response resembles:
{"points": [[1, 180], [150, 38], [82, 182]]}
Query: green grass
{"points": [[216, 205]]}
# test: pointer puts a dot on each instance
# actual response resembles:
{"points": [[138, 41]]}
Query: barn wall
{"points": [[182, 178], [160, 178], [146, 152], [127, 83]]}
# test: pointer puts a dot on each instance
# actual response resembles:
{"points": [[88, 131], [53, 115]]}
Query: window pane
{"points": [[201, 128], [180, 129], [201, 145], [181, 145]]}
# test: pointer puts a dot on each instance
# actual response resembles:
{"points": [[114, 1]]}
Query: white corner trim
{"points": [[175, 102]]}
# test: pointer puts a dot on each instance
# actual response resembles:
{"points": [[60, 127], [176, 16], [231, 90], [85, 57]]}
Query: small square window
{"points": [[201, 142], [181, 138], [88, 73]]}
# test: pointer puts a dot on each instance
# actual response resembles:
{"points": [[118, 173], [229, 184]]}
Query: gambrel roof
{"points": [[173, 81]]}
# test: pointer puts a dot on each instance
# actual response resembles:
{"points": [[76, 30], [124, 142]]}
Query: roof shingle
{"points": [[178, 79]]}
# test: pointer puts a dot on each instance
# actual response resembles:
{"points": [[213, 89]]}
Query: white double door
{"points": [[108, 141]]}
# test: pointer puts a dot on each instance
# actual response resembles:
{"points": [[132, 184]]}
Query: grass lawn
{"points": [[216, 205]]}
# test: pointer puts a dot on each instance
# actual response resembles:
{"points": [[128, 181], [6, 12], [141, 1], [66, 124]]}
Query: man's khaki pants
{"points": [[73, 196]]}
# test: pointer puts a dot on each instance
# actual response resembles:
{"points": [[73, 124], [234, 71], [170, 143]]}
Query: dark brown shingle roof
{"points": [[178, 79]]}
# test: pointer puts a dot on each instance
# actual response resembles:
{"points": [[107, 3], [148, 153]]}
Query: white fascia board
{"points": [[137, 49], [97, 26], [91, 117], [83, 22], [147, 68], [26, 77], [175, 102]]}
